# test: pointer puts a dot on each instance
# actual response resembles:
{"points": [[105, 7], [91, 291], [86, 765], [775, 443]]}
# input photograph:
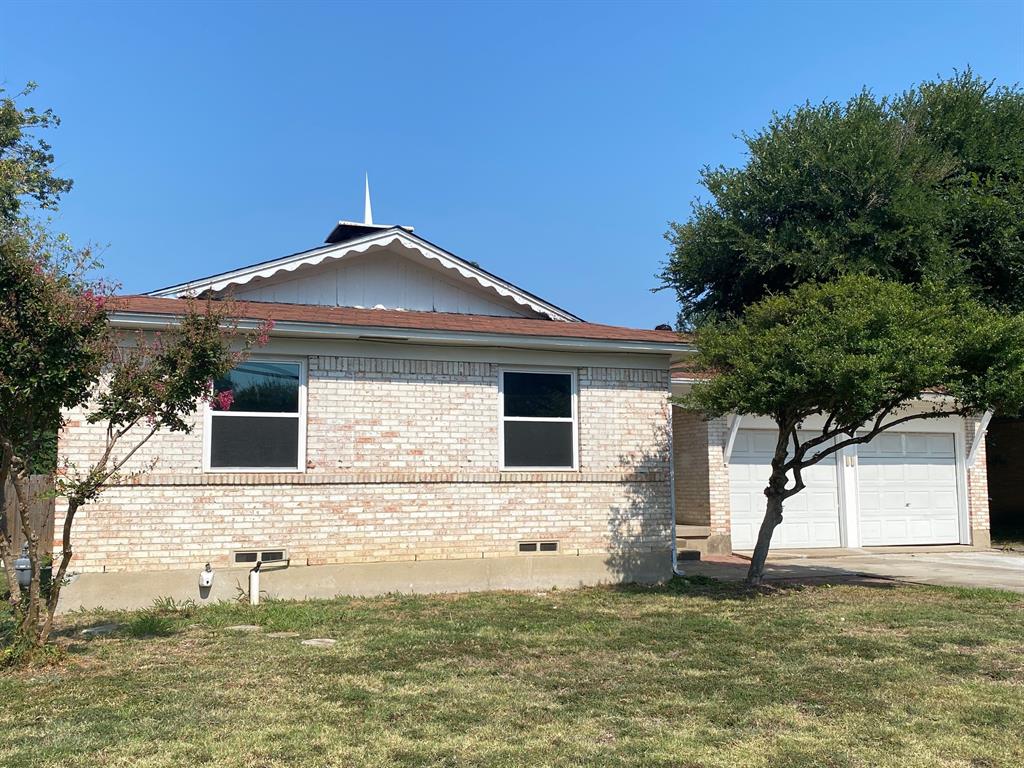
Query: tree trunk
{"points": [[57, 581], [30, 619], [772, 519]]}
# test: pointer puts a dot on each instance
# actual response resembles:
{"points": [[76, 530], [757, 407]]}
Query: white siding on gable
{"points": [[381, 278]]}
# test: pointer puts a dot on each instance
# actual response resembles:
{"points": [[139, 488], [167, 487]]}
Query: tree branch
{"points": [[877, 429]]}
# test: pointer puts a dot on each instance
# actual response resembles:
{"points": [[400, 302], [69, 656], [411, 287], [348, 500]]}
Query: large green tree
{"points": [[924, 186], [867, 355], [865, 265]]}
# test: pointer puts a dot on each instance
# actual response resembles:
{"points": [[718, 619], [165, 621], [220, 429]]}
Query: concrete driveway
{"points": [[961, 568]]}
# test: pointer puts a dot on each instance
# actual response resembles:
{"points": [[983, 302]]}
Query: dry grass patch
{"points": [[691, 674]]}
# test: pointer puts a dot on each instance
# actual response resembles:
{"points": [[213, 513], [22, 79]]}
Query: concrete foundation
{"points": [[128, 590]]}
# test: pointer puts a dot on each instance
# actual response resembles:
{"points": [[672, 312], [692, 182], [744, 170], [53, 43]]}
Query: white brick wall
{"points": [[402, 464]]}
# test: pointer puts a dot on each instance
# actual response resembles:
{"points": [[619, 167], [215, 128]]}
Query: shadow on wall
{"points": [[640, 531]]}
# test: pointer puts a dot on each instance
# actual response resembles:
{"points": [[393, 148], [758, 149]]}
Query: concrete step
{"points": [[697, 544], [692, 531], [687, 554]]}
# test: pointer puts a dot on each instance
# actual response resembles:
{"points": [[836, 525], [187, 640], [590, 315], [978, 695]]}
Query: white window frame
{"points": [[208, 417], [574, 419]]}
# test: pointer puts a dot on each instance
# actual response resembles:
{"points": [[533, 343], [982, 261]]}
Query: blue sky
{"points": [[549, 142]]}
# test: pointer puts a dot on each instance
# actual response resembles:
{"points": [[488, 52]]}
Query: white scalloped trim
{"points": [[341, 251]]}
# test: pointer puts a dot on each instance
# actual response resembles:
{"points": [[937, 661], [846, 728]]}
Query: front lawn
{"points": [[686, 675]]}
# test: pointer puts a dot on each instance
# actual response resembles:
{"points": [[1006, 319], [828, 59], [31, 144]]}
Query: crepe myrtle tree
{"points": [[865, 354], [58, 352]]}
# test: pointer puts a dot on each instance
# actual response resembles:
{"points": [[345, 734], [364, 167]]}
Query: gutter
{"points": [[153, 321], [672, 496]]}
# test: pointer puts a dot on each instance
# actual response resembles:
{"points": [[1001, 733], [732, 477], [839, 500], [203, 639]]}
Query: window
{"points": [[256, 418], [538, 420]]}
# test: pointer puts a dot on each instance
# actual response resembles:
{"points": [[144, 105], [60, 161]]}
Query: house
{"points": [[415, 423]]}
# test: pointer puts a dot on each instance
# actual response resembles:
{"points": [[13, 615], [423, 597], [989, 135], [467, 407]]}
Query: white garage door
{"points": [[907, 489], [810, 519]]}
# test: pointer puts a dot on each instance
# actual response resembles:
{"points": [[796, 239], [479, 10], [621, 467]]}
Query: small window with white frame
{"points": [[255, 421], [538, 420]]}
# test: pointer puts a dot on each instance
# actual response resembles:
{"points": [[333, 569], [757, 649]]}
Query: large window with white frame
{"points": [[255, 421], [538, 419]]}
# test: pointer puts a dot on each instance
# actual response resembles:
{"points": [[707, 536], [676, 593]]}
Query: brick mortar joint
{"points": [[394, 478]]}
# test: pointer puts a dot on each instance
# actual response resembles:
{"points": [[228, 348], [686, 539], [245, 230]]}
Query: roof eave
{"points": [[296, 329]]}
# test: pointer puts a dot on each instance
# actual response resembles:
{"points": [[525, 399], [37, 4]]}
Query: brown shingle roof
{"points": [[396, 319]]}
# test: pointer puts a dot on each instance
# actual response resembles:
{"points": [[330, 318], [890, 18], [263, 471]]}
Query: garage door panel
{"points": [[871, 529], [907, 490], [919, 472], [827, 531], [810, 519], [919, 499], [740, 502], [948, 530], [894, 530], [918, 445], [870, 471]]}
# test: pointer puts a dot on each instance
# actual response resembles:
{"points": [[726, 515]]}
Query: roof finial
{"points": [[367, 208]]}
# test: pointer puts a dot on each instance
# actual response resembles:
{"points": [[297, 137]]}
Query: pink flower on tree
{"points": [[222, 400], [263, 332], [95, 298]]}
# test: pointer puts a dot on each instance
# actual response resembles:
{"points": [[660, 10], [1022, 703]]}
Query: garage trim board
{"points": [[905, 487]]}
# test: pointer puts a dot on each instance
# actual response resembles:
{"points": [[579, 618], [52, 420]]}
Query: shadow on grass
{"points": [[706, 587]]}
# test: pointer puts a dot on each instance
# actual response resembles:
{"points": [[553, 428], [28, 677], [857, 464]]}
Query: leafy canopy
{"points": [[860, 348], [26, 162], [924, 187], [53, 336]]}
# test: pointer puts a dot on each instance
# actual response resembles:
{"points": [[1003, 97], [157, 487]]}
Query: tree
{"points": [[25, 159], [57, 352], [924, 186], [861, 352]]}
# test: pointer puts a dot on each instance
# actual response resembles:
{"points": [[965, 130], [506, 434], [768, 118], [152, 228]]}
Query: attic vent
{"points": [[538, 546], [253, 556]]}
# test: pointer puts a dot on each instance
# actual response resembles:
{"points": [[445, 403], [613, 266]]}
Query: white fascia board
{"points": [[148, 321], [390, 236]]}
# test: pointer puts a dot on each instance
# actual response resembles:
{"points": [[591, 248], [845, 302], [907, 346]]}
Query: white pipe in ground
{"points": [[254, 585]]}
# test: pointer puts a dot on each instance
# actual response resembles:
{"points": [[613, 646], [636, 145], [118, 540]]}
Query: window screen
{"points": [[538, 425], [255, 421]]}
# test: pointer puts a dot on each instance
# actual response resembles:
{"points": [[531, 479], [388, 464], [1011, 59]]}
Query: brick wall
{"points": [[977, 484], [690, 450], [702, 477], [402, 464]]}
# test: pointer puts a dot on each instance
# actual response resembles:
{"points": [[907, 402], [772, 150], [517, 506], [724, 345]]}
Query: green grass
{"points": [[692, 674]]}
